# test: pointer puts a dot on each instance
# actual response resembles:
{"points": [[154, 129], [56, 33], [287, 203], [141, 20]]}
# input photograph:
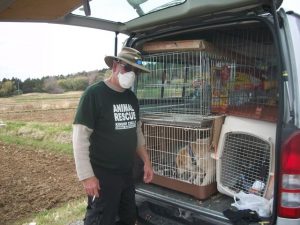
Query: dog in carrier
{"points": [[194, 163]]}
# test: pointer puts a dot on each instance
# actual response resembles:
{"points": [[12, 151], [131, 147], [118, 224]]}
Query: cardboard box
{"points": [[217, 127]]}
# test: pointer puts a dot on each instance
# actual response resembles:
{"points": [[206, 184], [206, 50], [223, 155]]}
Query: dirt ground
{"points": [[33, 180], [57, 115]]}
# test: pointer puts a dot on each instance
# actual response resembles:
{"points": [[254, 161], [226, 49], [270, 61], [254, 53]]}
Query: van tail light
{"points": [[289, 189]]}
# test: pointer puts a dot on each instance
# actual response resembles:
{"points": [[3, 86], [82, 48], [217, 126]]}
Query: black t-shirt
{"points": [[113, 117]]}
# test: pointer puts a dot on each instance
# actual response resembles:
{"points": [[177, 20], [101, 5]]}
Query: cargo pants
{"points": [[116, 203]]}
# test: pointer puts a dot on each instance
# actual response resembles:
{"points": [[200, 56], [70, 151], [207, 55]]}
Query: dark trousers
{"points": [[116, 203]]}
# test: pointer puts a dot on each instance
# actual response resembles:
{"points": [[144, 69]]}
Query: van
{"points": [[220, 108]]}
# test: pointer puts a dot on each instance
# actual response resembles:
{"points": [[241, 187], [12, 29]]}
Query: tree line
{"points": [[52, 84]]}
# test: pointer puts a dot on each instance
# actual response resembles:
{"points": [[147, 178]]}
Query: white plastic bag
{"points": [[254, 202]]}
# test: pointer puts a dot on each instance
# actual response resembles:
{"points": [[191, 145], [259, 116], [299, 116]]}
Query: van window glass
{"points": [[294, 82], [125, 10]]}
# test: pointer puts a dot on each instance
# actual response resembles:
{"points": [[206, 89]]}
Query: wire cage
{"points": [[232, 71], [250, 86], [179, 83], [181, 155]]}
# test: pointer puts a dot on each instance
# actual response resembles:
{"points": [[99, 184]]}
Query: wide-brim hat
{"points": [[130, 56]]}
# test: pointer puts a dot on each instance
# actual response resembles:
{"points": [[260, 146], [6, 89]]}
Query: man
{"points": [[106, 135]]}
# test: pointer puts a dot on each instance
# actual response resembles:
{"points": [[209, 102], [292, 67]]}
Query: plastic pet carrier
{"points": [[245, 156]]}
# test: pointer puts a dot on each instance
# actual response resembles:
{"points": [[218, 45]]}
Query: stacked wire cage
{"points": [[175, 109], [249, 87], [232, 72], [180, 152], [179, 83]]}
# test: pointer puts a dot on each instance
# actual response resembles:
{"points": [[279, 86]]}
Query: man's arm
{"points": [[85, 173], [143, 154]]}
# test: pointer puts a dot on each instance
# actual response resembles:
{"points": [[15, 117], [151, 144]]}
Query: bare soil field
{"points": [[40, 107], [33, 180], [50, 115]]}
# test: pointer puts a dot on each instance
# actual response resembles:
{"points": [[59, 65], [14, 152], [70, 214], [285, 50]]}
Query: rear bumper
{"points": [[285, 221]]}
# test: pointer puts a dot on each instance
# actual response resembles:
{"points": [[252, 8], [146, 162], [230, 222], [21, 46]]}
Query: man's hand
{"points": [[91, 186], [148, 172]]}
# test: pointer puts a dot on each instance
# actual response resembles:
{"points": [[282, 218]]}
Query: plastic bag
{"points": [[254, 202]]}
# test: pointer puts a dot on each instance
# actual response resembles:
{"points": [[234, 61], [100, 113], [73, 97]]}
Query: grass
{"points": [[46, 96], [51, 146], [44, 101], [66, 214], [49, 136]]}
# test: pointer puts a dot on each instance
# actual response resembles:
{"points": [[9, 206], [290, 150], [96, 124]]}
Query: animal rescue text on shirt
{"points": [[125, 117]]}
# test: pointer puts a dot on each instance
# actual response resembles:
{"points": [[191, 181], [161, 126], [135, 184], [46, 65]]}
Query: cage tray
{"points": [[199, 192], [266, 113], [177, 119]]}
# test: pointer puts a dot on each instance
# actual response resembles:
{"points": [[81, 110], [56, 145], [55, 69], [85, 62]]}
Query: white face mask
{"points": [[126, 80]]}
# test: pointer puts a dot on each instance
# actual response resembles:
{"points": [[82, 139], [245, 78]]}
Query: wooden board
{"points": [[163, 46]]}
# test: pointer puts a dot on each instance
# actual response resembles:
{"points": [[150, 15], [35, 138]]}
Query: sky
{"points": [[31, 50], [34, 50]]}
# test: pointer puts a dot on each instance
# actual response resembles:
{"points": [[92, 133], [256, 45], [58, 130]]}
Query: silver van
{"points": [[220, 108]]}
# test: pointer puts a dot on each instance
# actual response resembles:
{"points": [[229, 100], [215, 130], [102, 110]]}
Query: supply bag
{"points": [[254, 202]]}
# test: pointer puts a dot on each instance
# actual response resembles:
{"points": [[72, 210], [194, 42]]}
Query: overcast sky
{"points": [[36, 50], [31, 50]]}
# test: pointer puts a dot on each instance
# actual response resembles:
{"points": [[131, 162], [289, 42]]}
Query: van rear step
{"points": [[151, 214], [161, 203]]}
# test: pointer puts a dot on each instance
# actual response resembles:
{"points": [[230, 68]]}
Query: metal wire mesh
{"points": [[245, 160], [181, 153], [235, 75], [250, 87], [180, 82]]}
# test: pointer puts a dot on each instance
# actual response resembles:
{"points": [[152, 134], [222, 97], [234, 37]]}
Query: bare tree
{"points": [[51, 86]]}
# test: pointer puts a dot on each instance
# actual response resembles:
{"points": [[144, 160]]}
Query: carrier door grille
{"points": [[181, 153], [245, 159]]}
